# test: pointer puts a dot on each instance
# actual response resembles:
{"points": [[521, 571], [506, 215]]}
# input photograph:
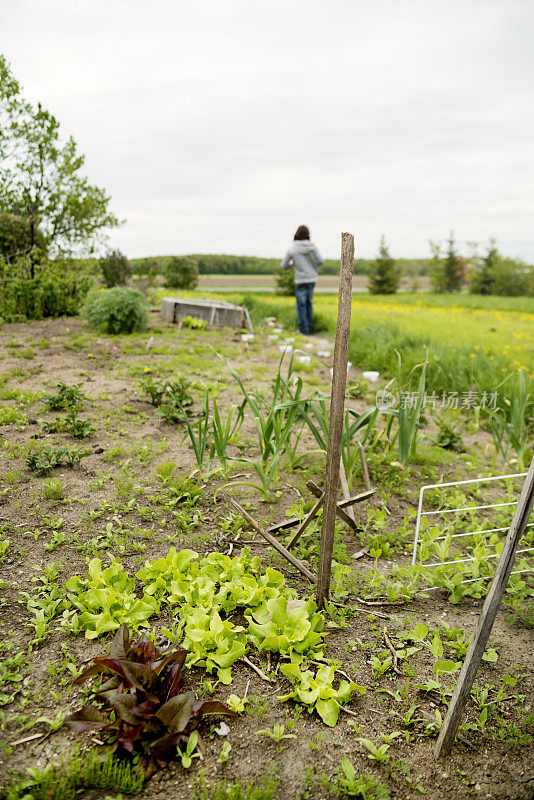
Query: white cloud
{"points": [[221, 126]]}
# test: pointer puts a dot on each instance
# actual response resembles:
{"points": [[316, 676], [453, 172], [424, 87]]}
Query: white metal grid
{"points": [[421, 513]]}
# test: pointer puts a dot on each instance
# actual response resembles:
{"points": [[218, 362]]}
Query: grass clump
{"points": [[259, 790], [63, 782], [117, 310]]}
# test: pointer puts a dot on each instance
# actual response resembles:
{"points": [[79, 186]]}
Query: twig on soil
{"points": [[360, 610], [256, 669], [381, 602], [348, 711], [391, 648], [28, 739]]}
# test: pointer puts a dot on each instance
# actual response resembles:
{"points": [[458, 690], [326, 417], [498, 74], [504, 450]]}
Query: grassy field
{"points": [[267, 282], [472, 342]]}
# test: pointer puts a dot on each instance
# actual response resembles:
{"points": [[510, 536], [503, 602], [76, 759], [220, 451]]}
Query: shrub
{"points": [[495, 274], [57, 289], [115, 268], [117, 310], [181, 273]]}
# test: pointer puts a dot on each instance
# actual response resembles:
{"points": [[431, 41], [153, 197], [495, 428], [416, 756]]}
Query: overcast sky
{"points": [[221, 125]]}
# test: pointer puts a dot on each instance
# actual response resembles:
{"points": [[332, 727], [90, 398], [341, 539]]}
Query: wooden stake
{"points": [[337, 407], [272, 541], [305, 522], [487, 617], [365, 468]]}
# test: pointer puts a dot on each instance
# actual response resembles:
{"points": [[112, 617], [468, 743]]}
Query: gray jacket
{"points": [[306, 258]]}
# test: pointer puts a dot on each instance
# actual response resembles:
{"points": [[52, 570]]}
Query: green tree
{"points": [[384, 276], [115, 268], [40, 175], [15, 236], [181, 272], [284, 282]]}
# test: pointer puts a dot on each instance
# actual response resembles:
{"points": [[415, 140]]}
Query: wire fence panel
{"points": [[451, 529]]}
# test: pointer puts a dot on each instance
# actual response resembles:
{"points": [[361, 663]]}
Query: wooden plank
{"points": [[337, 408], [282, 526], [487, 617], [315, 490], [365, 468], [356, 498], [305, 522], [272, 541]]}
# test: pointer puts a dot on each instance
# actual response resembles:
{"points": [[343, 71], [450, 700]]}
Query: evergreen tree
{"points": [[435, 267], [482, 280], [284, 282], [453, 267], [384, 276]]}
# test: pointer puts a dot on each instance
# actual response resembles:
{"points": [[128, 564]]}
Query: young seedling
{"points": [[277, 734]]}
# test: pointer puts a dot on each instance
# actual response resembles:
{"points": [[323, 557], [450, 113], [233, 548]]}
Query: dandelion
{"points": [[472, 355], [146, 369], [90, 355]]}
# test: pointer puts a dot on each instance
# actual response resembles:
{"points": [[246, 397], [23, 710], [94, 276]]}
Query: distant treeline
{"points": [[252, 265]]}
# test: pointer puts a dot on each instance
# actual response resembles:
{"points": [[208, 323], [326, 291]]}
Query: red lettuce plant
{"points": [[144, 710]]}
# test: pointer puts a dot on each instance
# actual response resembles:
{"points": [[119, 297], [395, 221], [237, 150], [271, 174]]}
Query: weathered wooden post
{"points": [[337, 406], [487, 617]]}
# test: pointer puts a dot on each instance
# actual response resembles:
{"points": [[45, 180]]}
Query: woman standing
{"points": [[304, 257]]}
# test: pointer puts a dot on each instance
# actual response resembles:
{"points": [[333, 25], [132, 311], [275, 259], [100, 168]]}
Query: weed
{"points": [[448, 437], [53, 489], [65, 398], [44, 458], [364, 786]]}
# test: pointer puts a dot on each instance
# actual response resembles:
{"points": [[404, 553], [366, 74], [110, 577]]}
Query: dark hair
{"points": [[302, 233]]}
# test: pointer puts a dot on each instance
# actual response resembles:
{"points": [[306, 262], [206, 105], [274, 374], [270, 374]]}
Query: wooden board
{"points": [[491, 606]]}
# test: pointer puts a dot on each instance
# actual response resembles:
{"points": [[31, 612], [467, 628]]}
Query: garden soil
{"points": [[496, 762]]}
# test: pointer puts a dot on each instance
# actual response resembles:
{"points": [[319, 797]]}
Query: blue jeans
{"points": [[304, 296]]}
